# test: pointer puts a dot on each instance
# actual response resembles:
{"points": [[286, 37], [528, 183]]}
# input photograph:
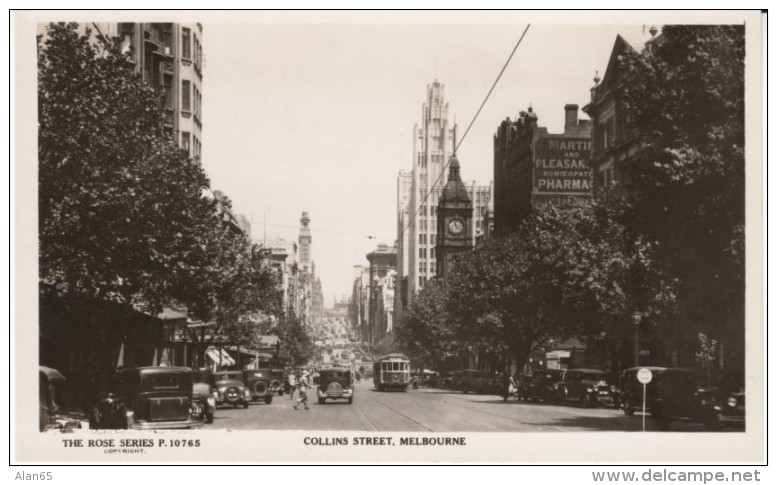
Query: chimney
{"points": [[570, 119]]}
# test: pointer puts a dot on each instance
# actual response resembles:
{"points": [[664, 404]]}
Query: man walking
{"points": [[302, 386], [292, 385]]}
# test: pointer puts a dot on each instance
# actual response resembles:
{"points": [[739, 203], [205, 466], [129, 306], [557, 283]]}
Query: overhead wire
{"points": [[456, 148]]}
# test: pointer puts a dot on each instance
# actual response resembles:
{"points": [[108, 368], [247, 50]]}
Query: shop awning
{"points": [[219, 356]]}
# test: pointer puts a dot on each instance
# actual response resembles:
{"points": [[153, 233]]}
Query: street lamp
{"points": [[636, 318]]}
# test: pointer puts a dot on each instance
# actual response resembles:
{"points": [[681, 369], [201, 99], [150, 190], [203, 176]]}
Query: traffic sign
{"points": [[644, 376]]}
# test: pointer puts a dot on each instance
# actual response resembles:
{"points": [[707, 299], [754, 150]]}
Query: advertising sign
{"points": [[561, 166]]}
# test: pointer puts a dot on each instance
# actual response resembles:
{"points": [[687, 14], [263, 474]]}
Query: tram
{"points": [[391, 372]]}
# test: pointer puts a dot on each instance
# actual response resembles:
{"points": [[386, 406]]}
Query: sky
{"points": [[317, 115]]}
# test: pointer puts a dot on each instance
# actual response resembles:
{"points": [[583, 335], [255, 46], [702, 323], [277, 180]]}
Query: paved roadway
{"points": [[427, 410]]}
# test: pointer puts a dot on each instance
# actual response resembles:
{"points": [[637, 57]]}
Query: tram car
{"points": [[391, 372]]}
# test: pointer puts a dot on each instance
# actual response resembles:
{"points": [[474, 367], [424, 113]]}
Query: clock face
{"points": [[455, 226]]}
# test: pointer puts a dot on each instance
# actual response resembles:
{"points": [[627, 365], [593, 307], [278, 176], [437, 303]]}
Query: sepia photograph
{"points": [[404, 236]]}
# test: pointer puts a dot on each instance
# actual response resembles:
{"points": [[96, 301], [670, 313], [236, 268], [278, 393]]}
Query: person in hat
{"points": [[302, 388]]}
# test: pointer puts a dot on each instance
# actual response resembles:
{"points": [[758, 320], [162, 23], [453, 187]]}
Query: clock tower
{"points": [[454, 220]]}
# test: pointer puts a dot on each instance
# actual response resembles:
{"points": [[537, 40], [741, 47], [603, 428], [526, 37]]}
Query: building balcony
{"points": [[152, 36], [168, 65]]}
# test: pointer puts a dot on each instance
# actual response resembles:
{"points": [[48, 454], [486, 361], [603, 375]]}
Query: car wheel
{"points": [[628, 407], [321, 400], [350, 400], [588, 401], [268, 399], [94, 419], [209, 418], [245, 404]]}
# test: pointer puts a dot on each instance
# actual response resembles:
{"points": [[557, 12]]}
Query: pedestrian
{"points": [[303, 385], [292, 385]]}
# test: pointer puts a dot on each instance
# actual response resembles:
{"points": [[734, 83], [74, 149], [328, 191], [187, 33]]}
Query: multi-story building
{"points": [[170, 58], [360, 301], [434, 142], [382, 261], [533, 167], [305, 241]]}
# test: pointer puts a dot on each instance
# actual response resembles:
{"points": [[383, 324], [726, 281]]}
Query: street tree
{"points": [[427, 334], [685, 99], [119, 202]]}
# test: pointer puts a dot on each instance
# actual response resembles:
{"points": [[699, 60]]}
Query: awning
{"points": [[219, 356]]}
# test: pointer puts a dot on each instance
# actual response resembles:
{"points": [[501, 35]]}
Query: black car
{"points": [[335, 383], [148, 398], [679, 396], [541, 385], [631, 390], [587, 387]]}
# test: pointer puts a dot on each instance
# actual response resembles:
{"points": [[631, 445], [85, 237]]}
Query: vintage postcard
{"points": [[387, 237]]}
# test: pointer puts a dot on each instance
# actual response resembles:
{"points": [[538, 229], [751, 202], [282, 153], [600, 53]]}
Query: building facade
{"points": [[454, 222], [383, 261], [533, 168], [418, 194], [169, 57]]}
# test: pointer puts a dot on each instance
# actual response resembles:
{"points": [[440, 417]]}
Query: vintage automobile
{"points": [[446, 382], [523, 386], [148, 398], [259, 384], [482, 382], [277, 377], [228, 388], [52, 416], [631, 390], [542, 382], [335, 383], [204, 404], [587, 387], [678, 396]]}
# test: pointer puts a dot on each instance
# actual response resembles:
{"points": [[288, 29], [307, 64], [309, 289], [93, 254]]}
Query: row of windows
{"points": [[186, 98], [432, 267], [186, 46], [422, 252], [191, 144], [422, 238]]}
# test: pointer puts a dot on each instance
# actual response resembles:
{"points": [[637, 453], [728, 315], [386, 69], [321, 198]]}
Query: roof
{"points": [[455, 190], [392, 356]]}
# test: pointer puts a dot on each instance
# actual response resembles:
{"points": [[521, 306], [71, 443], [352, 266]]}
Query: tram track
{"points": [[469, 408]]}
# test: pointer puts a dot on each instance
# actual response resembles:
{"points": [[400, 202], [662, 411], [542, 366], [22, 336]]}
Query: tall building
{"points": [[533, 168], [454, 221], [170, 58], [434, 141], [382, 261], [305, 241]]}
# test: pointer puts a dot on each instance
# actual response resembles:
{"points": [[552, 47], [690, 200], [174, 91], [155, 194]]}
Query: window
{"points": [[186, 43], [185, 141], [609, 133], [186, 96], [431, 253], [432, 237]]}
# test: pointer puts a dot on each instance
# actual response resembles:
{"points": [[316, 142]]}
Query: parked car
{"points": [[51, 390], [456, 380], [259, 384], [542, 382], [228, 388], [148, 398], [587, 387], [479, 381], [204, 407], [631, 390], [680, 397], [277, 377], [335, 383], [523, 381], [446, 381]]}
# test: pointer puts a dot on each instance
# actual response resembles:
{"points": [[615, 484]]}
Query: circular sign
{"points": [[644, 376]]}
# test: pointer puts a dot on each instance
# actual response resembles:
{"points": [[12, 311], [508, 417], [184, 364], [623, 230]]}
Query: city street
{"points": [[428, 410]]}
